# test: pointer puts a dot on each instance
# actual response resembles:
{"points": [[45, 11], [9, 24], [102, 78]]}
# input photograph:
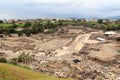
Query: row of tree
{"points": [[28, 28], [34, 27], [99, 24]]}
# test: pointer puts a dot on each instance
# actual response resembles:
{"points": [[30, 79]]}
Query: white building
{"points": [[110, 33]]}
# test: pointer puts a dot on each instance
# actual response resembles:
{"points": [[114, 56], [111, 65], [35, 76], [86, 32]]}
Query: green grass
{"points": [[20, 25], [5, 25], [11, 72]]}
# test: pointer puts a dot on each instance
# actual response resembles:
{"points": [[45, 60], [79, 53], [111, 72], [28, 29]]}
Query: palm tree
{"points": [[32, 57]]}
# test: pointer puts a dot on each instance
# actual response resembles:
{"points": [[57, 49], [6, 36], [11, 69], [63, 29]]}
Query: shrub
{"points": [[52, 30], [27, 33], [13, 62], [21, 57], [3, 60], [19, 33]]}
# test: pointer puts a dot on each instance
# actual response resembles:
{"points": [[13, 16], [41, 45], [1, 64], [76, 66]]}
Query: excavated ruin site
{"points": [[75, 53]]}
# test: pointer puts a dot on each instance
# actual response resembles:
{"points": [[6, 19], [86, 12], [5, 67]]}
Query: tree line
{"points": [[35, 27]]}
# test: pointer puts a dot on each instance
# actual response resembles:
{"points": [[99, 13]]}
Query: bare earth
{"points": [[107, 52], [73, 56]]}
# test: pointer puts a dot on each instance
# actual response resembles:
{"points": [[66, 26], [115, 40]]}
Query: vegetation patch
{"points": [[10, 72], [3, 60]]}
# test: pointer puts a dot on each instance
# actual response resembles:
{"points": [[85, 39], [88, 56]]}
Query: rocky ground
{"points": [[75, 54]]}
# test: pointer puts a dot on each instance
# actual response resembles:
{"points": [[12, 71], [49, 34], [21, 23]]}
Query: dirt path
{"points": [[75, 46]]}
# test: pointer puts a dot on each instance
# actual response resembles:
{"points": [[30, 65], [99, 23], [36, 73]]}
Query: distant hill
{"points": [[114, 17], [10, 72]]}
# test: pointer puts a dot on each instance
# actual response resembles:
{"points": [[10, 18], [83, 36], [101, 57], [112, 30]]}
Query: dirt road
{"points": [[75, 46]]}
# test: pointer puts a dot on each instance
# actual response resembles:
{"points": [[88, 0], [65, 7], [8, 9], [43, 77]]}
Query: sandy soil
{"points": [[107, 52], [75, 46], [53, 44], [74, 31]]}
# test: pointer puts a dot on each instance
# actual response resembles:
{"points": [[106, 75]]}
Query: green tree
{"points": [[20, 33], [100, 21], [27, 24], [1, 21], [27, 32]]}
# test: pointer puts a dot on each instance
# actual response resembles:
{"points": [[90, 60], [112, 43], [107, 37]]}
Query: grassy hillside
{"points": [[10, 72]]}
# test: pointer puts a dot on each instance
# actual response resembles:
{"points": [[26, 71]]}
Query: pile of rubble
{"points": [[79, 67]]}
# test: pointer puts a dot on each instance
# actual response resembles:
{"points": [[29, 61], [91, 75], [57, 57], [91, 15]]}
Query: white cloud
{"points": [[40, 8]]}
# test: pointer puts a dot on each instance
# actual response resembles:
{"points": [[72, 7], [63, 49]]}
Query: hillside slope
{"points": [[10, 72]]}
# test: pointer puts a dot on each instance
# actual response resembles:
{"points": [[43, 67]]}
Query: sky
{"points": [[30, 9]]}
